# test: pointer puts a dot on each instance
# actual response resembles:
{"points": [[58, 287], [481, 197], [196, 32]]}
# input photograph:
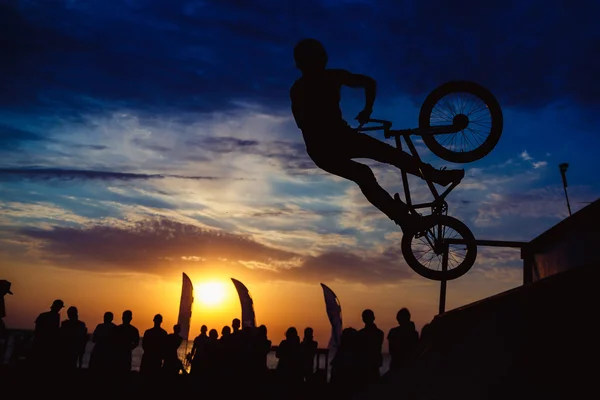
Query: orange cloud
{"points": [[159, 245]]}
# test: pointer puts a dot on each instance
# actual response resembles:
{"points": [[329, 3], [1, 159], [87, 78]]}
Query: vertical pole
{"points": [[568, 205], [563, 172], [443, 282]]}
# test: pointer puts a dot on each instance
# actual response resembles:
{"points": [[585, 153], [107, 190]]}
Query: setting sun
{"points": [[211, 293]]}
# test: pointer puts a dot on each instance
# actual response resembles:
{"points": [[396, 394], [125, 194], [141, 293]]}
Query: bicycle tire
{"points": [[438, 275], [478, 91]]}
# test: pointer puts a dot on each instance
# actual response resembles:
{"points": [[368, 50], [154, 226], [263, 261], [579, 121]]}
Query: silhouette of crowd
{"points": [[238, 355]]}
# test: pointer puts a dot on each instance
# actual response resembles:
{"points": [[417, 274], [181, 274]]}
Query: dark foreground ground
{"points": [[22, 383]]}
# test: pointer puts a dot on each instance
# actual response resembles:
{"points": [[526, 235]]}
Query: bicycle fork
{"points": [[438, 205], [438, 199]]}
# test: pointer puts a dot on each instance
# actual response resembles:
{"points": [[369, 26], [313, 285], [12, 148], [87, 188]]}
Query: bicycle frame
{"points": [[439, 199]]}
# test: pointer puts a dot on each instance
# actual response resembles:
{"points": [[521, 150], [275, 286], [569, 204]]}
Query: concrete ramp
{"points": [[539, 340]]}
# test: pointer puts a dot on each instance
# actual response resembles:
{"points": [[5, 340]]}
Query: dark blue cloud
{"points": [[72, 174], [291, 156], [11, 137], [88, 146], [158, 55], [223, 144]]}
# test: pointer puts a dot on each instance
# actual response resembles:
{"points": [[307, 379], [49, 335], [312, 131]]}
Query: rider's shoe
{"points": [[411, 222], [442, 176], [415, 223]]}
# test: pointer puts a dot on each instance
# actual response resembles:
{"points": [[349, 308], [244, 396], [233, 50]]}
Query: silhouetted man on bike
{"points": [[332, 144]]}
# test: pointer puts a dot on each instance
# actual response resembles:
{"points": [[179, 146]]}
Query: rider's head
{"points": [[310, 55]]}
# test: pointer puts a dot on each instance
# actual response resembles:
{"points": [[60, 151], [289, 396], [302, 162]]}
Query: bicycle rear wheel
{"points": [[466, 103], [423, 252]]}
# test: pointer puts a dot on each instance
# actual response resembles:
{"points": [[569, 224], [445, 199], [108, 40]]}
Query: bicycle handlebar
{"points": [[385, 125]]}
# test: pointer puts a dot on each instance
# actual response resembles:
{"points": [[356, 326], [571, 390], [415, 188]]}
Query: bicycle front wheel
{"points": [[423, 251], [466, 103]]}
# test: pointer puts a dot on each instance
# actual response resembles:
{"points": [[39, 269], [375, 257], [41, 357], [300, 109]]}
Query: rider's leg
{"points": [[362, 175], [360, 145], [366, 181]]}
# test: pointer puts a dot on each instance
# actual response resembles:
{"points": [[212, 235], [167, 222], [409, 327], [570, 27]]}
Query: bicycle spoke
{"points": [[479, 116], [444, 114], [424, 248]]}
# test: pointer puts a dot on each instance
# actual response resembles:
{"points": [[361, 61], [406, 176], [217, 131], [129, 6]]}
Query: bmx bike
{"points": [[460, 122]]}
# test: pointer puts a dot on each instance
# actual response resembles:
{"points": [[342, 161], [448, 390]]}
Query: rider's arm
{"points": [[349, 79]]}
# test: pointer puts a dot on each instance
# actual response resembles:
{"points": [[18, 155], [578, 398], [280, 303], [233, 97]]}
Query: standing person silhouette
{"points": [[102, 359], [4, 290], [262, 347], [289, 353], [73, 338], [46, 336], [198, 354], [308, 348], [332, 144], [402, 340], [172, 365], [236, 343], [370, 341], [127, 338], [154, 343]]}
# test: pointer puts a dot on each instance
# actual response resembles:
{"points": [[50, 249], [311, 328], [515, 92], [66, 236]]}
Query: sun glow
{"points": [[211, 293]]}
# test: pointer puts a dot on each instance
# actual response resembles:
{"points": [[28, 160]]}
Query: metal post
{"points": [[443, 282], [563, 172], [478, 242]]}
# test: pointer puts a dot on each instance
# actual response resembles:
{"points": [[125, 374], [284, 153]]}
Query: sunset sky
{"points": [[143, 139]]}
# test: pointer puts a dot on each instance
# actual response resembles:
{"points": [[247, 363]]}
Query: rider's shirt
{"points": [[316, 107]]}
